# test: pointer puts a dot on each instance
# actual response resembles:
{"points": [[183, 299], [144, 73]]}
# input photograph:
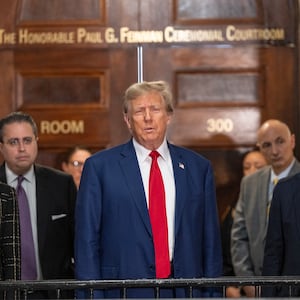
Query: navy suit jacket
{"points": [[113, 238], [282, 250]]}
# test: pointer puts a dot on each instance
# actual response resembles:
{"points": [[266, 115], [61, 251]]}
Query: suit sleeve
{"points": [[273, 253], [87, 228], [241, 258], [212, 251], [10, 237]]}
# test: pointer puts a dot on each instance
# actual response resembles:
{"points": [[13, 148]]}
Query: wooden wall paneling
{"points": [[54, 12], [296, 107], [237, 84], [122, 13], [279, 89], [218, 11], [68, 98], [248, 104], [7, 18], [65, 89], [123, 74]]}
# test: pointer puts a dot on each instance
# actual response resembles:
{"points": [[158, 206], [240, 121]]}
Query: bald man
{"points": [[276, 143]]}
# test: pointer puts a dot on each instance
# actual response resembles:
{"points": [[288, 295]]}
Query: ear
{"points": [[126, 119], [169, 118], [293, 140]]}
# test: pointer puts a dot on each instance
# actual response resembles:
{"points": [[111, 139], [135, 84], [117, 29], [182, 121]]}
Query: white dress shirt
{"points": [[166, 168], [29, 186]]}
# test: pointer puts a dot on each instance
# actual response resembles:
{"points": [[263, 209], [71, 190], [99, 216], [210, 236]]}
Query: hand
{"points": [[233, 292], [249, 291]]}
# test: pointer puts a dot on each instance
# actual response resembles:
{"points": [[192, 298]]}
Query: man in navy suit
{"points": [[113, 234], [281, 256]]}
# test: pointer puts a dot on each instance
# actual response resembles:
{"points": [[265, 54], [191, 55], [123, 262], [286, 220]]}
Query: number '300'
{"points": [[219, 125]]}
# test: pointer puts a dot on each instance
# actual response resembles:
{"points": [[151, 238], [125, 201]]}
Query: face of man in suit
{"points": [[19, 146], [277, 144], [147, 119]]}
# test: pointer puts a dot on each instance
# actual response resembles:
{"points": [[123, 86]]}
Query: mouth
{"points": [[277, 159], [149, 129], [22, 158]]}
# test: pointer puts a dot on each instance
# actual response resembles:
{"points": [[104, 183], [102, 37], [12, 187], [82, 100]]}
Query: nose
{"points": [[21, 145], [147, 115], [274, 148]]}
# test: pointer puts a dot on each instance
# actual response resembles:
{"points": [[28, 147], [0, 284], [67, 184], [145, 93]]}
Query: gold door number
{"points": [[219, 125]]}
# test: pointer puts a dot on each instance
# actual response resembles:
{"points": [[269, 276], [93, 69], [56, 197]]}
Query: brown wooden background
{"points": [[223, 90]]}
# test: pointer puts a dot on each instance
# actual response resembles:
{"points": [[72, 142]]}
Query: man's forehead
{"points": [[18, 128], [148, 97], [273, 132]]}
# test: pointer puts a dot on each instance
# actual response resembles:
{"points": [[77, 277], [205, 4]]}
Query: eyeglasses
{"points": [[16, 142], [76, 163]]}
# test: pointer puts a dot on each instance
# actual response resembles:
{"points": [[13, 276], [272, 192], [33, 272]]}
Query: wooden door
{"points": [[231, 65]]}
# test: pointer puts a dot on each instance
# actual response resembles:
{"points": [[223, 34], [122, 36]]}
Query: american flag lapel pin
{"points": [[181, 166]]}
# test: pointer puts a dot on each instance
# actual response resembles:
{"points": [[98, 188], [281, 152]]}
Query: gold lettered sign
{"points": [[82, 126], [109, 36]]}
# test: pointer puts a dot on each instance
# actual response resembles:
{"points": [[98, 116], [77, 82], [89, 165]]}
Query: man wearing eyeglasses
{"points": [[50, 196]]}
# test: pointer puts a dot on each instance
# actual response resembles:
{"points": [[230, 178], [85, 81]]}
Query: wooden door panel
{"points": [[223, 89]]}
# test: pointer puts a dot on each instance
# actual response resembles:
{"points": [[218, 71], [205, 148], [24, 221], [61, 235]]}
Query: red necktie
{"points": [[158, 217]]}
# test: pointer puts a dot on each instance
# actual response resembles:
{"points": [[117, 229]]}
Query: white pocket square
{"points": [[56, 217]]}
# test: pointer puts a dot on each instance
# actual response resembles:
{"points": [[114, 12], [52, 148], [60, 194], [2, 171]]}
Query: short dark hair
{"points": [[17, 117]]}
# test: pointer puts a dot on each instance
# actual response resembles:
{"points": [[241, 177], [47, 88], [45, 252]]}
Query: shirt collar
{"points": [[12, 177], [284, 173], [142, 152]]}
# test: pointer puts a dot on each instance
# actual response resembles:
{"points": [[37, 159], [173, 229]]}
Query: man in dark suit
{"points": [[9, 237], [114, 233], [51, 196], [282, 250]]}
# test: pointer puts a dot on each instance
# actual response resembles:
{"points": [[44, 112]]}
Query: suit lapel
{"points": [[42, 202], [290, 206], [295, 169], [130, 169], [296, 198], [42, 206], [179, 169], [263, 193], [263, 186], [2, 173]]}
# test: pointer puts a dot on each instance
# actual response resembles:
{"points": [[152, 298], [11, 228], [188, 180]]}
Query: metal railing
{"points": [[57, 286]]}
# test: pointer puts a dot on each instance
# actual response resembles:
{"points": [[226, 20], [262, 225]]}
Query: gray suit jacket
{"points": [[250, 222]]}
